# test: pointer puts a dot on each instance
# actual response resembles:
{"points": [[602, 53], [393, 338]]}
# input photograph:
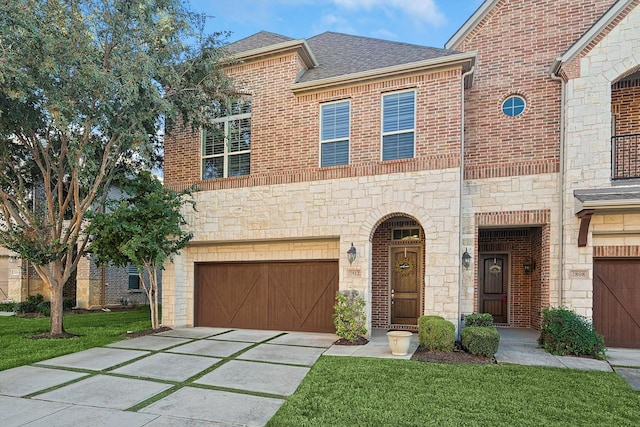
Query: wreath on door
{"points": [[404, 267]]}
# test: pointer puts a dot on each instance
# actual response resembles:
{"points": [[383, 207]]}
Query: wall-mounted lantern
{"points": [[466, 259], [351, 254], [529, 264]]}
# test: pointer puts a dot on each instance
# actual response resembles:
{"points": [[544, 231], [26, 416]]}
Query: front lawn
{"points": [[352, 391], [94, 330]]}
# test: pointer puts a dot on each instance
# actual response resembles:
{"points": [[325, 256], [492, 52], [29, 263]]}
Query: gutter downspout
{"points": [[460, 251], [555, 67]]}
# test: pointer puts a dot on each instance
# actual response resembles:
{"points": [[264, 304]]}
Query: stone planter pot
{"points": [[399, 341]]}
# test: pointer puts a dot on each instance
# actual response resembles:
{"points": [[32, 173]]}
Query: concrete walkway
{"points": [[192, 377], [520, 346], [199, 377]]}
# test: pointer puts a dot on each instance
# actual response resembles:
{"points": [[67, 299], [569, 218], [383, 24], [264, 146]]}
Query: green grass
{"points": [[94, 330], [351, 391]]}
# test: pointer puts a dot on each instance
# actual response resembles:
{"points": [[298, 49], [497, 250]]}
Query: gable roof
{"points": [[470, 23], [340, 54], [257, 41], [333, 58]]}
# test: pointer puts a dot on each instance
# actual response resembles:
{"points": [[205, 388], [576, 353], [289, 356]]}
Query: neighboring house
{"points": [[514, 148], [91, 286]]}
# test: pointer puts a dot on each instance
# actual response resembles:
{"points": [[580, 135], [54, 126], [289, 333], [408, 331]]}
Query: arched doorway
{"points": [[398, 254]]}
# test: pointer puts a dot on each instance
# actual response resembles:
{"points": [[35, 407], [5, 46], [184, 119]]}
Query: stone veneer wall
{"points": [[340, 210], [588, 144]]}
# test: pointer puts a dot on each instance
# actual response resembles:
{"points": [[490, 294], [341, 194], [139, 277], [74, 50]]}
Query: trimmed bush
{"points": [[567, 333], [25, 307], [478, 319], [44, 308], [480, 340], [7, 306], [436, 334], [349, 317], [68, 304]]}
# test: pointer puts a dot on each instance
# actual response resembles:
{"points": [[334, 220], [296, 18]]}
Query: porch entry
{"points": [[493, 286], [405, 268]]}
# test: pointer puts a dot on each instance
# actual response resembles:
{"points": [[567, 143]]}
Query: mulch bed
{"points": [[146, 332], [456, 356], [359, 341]]}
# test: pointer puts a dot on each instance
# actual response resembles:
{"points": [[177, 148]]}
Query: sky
{"points": [[422, 22]]}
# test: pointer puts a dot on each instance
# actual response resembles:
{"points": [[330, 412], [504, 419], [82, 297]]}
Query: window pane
{"points": [[399, 146], [335, 153], [213, 140], [398, 112], [212, 168], [335, 121], [239, 135], [134, 277], [239, 164]]}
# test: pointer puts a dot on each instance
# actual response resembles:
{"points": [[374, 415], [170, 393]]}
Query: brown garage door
{"points": [[616, 301], [290, 296]]}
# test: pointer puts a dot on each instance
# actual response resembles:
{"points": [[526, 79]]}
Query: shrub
{"points": [[68, 304], [35, 299], [7, 306], [478, 319], [25, 307], [567, 333], [349, 317], [44, 308], [436, 334], [480, 340]]}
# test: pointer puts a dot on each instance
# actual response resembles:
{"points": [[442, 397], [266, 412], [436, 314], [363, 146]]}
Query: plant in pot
{"points": [[349, 318]]}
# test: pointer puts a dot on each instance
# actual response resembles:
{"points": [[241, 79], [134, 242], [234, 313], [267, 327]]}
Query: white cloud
{"points": [[417, 10]]}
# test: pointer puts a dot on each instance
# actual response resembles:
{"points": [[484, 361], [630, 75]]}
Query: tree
{"points": [[85, 86], [143, 228]]}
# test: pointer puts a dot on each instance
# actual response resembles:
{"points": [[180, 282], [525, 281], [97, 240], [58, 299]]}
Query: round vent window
{"points": [[513, 106]]}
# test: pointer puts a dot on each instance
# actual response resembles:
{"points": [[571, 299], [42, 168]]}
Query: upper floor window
{"points": [[513, 106], [334, 133], [398, 125], [226, 143]]}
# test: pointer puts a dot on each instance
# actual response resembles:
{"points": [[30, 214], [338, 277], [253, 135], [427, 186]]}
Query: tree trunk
{"points": [[57, 327]]}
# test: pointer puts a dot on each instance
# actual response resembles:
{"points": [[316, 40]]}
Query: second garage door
{"points": [[616, 301], [290, 296]]}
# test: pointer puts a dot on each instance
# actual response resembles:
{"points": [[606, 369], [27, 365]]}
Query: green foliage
{"points": [[30, 305], [7, 306], [480, 340], [92, 330], [144, 227], [436, 334], [86, 87], [44, 308], [349, 316], [567, 333], [360, 391], [478, 319], [68, 304]]}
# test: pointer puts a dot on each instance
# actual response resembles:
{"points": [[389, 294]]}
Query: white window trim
{"points": [[321, 141], [383, 133], [226, 153]]}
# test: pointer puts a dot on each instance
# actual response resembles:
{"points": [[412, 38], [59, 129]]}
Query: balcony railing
{"points": [[625, 163]]}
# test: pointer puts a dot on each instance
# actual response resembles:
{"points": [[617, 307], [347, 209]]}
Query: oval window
{"points": [[513, 106]]}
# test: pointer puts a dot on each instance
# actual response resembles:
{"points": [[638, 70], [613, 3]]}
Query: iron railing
{"points": [[625, 160]]}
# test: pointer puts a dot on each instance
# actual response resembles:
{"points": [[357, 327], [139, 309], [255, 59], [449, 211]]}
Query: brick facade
{"points": [[514, 54], [516, 195]]}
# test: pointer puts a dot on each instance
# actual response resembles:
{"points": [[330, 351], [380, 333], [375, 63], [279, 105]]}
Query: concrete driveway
{"points": [[187, 377]]}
